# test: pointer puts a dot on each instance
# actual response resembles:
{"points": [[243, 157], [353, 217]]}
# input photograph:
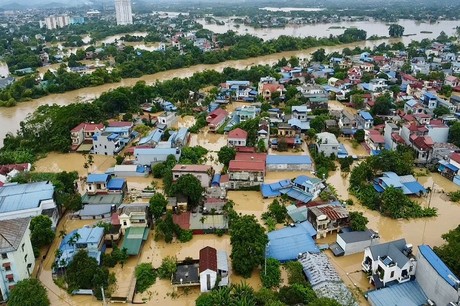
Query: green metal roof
{"points": [[133, 239]]}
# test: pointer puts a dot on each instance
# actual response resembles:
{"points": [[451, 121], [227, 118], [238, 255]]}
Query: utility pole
{"points": [[103, 296]]}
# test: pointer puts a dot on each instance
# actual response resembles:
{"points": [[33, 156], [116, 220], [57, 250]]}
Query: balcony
{"points": [[366, 267], [403, 279]]}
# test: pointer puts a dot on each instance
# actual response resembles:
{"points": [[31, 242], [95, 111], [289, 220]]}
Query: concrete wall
{"points": [[328, 149], [355, 247], [434, 286], [204, 280], [439, 134]]}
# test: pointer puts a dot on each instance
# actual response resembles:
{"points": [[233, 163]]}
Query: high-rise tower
{"points": [[123, 12]]}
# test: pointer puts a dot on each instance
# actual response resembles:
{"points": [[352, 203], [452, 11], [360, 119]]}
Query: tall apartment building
{"points": [[55, 21], [123, 12]]}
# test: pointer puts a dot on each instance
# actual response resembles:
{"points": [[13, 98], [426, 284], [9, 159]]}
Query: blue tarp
{"points": [[287, 243]]}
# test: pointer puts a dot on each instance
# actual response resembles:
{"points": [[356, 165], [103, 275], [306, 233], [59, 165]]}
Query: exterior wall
{"points": [[328, 149], [355, 247], [93, 188], [434, 286], [203, 177], [289, 167], [439, 134], [169, 119], [22, 263], [387, 136], [204, 280], [237, 142], [104, 146], [30, 213], [126, 221], [151, 159], [77, 137]]}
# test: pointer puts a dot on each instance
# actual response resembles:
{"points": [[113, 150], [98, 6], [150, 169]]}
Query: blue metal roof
{"points": [[97, 178], [430, 95], [273, 189], [87, 235], [15, 197], [300, 109], [405, 294], [116, 184], [366, 115], [437, 263], [287, 243], [298, 194], [154, 136], [288, 159], [414, 187], [216, 180], [117, 129]]}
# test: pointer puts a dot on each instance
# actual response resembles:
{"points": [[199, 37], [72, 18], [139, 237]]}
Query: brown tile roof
{"points": [[455, 157], [88, 127], [208, 259], [246, 165], [238, 133], [183, 220]]}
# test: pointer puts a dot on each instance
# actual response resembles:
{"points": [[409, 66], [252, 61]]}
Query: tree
{"points": [[28, 292], [41, 233], [261, 148], [145, 276], [448, 252], [358, 221], [271, 276], [395, 30], [296, 294], [383, 105], [359, 136], [454, 133], [282, 145], [248, 240], [226, 154], [189, 186], [440, 111], [295, 273], [168, 267], [319, 55], [324, 302], [157, 205], [278, 211]]}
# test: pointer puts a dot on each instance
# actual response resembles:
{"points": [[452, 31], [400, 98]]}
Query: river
{"points": [[11, 117], [372, 27]]}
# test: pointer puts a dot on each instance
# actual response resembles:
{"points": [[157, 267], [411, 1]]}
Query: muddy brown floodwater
{"points": [[11, 117]]}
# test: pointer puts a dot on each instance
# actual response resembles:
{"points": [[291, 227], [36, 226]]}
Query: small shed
{"points": [[289, 163], [354, 242]]}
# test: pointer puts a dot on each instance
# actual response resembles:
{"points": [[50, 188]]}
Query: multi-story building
{"points": [[248, 169], [133, 215], [327, 143], [17, 258], [203, 173], [107, 143], [84, 132], [55, 21], [105, 184], [123, 12]]}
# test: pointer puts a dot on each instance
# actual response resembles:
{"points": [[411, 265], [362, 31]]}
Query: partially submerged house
{"points": [[289, 163], [352, 242], [407, 183], [328, 217]]}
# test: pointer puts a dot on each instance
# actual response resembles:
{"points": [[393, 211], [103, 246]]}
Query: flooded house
{"points": [[327, 143], [388, 262], [105, 184], [17, 259], [216, 119], [303, 189], [133, 215], [152, 156], [352, 242], [289, 163], [327, 217], [7, 172], [374, 141], [203, 173], [406, 183], [246, 170], [83, 134], [167, 119], [237, 138]]}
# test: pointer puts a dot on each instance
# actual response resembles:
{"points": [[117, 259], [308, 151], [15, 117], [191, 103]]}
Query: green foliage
{"points": [[345, 163], [359, 136], [248, 240], [446, 90], [168, 267], [383, 105], [239, 294], [157, 205], [226, 154], [395, 30], [167, 229], [448, 252], [271, 276], [440, 111], [358, 221], [28, 292], [277, 211], [295, 273], [319, 55], [189, 186], [454, 196], [199, 123], [251, 126], [396, 205], [324, 302], [323, 164], [192, 155], [145, 276], [41, 233], [296, 294], [454, 133]]}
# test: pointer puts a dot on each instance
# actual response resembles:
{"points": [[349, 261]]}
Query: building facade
{"points": [[123, 12]]}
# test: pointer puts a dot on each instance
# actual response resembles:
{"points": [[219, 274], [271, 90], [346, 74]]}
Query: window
{"points": [[392, 274], [22, 246], [4, 256], [10, 278], [125, 223], [25, 258]]}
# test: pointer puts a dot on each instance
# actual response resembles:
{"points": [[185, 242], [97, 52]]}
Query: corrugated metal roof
{"points": [[15, 197], [288, 159], [97, 178], [116, 184], [437, 264], [405, 294]]}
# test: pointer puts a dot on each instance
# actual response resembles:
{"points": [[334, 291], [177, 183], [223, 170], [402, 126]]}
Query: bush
{"points": [[145, 276], [358, 221], [271, 275], [454, 196], [168, 267]]}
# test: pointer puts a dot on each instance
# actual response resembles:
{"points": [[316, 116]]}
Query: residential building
{"points": [[365, 120], [216, 118], [56, 21], [17, 259], [347, 123], [89, 239], [374, 141], [430, 100], [7, 172], [328, 217], [327, 143], [133, 215], [246, 113], [152, 156], [152, 139], [435, 278], [213, 269], [107, 143], [123, 12], [84, 132], [311, 185], [203, 173], [289, 163], [388, 262], [28, 200], [247, 169], [452, 81], [303, 189], [406, 183], [167, 119], [105, 184], [353, 242], [237, 138], [268, 86], [413, 107]]}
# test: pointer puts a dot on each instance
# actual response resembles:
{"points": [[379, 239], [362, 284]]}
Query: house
{"points": [[179, 138], [406, 183], [246, 113], [89, 239], [327, 217], [107, 143], [203, 173], [7, 172], [152, 139], [353, 242], [128, 171], [354, 75], [247, 169], [28, 200], [167, 119], [388, 262], [452, 81], [17, 256], [289, 163], [213, 269], [347, 122], [327, 143], [430, 100], [268, 86], [287, 243], [84, 132], [216, 119], [374, 141], [435, 278], [133, 215], [237, 138], [413, 107], [365, 120], [135, 236], [302, 189], [152, 156], [105, 184]]}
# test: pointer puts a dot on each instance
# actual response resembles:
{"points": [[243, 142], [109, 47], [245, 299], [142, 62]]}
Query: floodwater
{"points": [[11, 117], [372, 27], [358, 151], [291, 9]]}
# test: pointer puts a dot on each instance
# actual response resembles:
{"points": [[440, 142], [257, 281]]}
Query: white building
{"points": [[107, 144], [123, 12], [56, 21], [213, 266], [356, 241], [387, 262], [327, 143], [133, 215], [202, 172], [17, 259], [28, 200]]}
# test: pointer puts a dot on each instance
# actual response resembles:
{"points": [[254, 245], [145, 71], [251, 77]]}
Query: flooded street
{"points": [[11, 117]]}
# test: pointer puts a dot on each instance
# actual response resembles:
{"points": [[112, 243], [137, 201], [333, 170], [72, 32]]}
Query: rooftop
{"points": [[11, 233], [208, 259], [191, 168], [15, 197], [392, 249], [357, 236], [246, 165], [238, 133], [407, 294], [98, 178], [288, 159], [437, 264]]}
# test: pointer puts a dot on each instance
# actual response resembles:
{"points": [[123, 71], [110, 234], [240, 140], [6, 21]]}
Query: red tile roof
{"points": [[238, 133], [88, 127], [247, 165], [376, 138], [246, 149], [120, 123], [208, 259], [272, 87], [423, 142], [455, 157], [5, 169], [396, 137], [251, 156]]}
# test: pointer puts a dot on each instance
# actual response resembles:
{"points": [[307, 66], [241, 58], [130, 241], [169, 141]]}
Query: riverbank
{"points": [[11, 117]]}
